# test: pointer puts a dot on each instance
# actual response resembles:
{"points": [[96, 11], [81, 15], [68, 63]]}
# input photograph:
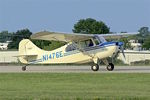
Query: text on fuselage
{"points": [[52, 55]]}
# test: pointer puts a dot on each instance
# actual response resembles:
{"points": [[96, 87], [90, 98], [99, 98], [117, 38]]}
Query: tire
{"points": [[95, 67], [24, 68], [110, 67]]}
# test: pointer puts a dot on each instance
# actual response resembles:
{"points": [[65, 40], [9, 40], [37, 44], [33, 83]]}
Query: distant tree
{"points": [[48, 45], [4, 36], [144, 31], [123, 32], [54, 45], [17, 37], [127, 45], [143, 37], [90, 26], [146, 43], [144, 34], [41, 43]]}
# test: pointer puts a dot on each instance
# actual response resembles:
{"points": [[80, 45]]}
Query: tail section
{"points": [[27, 51]]}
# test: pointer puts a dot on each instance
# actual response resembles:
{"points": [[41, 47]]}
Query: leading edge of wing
{"points": [[60, 36], [118, 35]]}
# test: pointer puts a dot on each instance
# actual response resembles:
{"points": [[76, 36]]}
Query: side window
{"points": [[97, 42], [86, 43], [89, 43], [70, 47]]}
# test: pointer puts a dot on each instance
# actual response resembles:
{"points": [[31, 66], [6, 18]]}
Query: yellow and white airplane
{"points": [[80, 48]]}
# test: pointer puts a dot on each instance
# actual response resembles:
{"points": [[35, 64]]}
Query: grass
{"points": [[74, 86]]}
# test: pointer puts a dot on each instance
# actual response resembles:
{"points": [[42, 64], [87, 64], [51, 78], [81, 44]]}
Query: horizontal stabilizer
{"points": [[25, 55]]}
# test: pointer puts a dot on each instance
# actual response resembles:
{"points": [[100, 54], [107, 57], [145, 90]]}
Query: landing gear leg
{"points": [[110, 66], [95, 66]]}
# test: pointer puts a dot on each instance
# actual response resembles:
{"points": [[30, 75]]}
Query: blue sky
{"points": [[61, 15]]}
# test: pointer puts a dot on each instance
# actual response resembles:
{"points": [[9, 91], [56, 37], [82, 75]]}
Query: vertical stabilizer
{"points": [[27, 51]]}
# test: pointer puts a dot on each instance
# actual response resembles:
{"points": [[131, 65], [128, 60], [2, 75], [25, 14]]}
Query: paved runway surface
{"points": [[74, 69]]}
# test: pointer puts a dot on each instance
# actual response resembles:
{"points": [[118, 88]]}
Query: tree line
{"points": [[85, 26]]}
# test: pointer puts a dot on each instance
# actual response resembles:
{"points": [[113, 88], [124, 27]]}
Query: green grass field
{"points": [[45, 86]]}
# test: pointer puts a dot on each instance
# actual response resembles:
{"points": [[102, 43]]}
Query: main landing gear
{"points": [[95, 67], [110, 67], [24, 68]]}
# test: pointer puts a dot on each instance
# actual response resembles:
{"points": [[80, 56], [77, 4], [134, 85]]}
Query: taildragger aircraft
{"points": [[80, 48]]}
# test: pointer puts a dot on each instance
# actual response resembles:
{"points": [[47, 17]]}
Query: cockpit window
{"points": [[97, 42], [102, 39], [70, 47], [89, 43], [86, 43]]}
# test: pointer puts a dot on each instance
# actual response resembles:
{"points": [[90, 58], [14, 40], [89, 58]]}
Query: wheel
{"points": [[110, 67], [95, 67], [23, 68]]}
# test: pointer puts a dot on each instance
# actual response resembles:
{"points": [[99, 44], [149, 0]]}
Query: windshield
{"points": [[96, 41]]}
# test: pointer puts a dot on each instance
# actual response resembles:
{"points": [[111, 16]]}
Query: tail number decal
{"points": [[52, 56]]}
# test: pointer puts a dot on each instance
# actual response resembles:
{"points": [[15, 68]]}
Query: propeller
{"points": [[122, 50]]}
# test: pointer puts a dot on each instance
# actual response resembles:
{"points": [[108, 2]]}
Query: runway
{"points": [[73, 69]]}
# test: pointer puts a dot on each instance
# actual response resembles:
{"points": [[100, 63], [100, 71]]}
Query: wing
{"points": [[59, 36], [117, 35], [68, 37]]}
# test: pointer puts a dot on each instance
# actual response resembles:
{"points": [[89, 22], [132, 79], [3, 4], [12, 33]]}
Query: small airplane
{"points": [[80, 48]]}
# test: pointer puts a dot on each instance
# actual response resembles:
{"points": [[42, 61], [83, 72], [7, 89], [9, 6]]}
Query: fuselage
{"points": [[81, 55], [77, 56]]}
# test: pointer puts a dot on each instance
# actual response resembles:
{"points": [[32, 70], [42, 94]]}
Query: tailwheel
{"points": [[95, 67], [110, 67], [24, 68]]}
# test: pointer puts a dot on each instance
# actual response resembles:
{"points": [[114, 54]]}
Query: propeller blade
{"points": [[122, 50]]}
